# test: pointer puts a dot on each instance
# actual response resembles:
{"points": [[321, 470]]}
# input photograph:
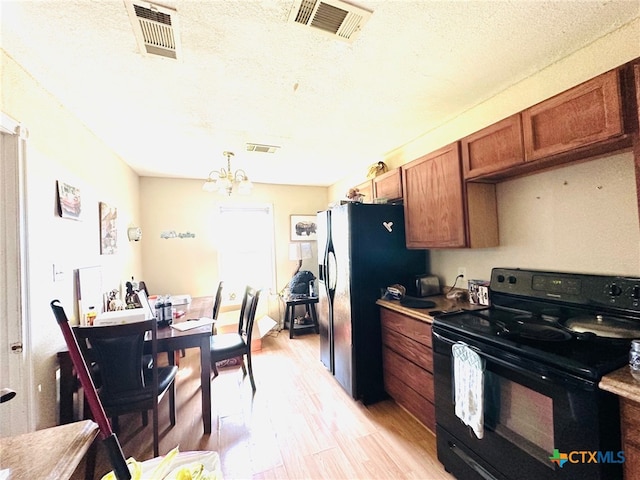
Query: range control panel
{"points": [[575, 288]]}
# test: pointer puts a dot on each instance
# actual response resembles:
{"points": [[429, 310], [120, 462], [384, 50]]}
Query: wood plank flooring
{"points": [[300, 424]]}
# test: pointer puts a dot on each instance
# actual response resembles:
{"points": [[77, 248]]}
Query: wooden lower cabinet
{"points": [[631, 438], [408, 364]]}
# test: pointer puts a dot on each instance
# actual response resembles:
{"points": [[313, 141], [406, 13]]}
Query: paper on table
{"points": [[189, 324]]}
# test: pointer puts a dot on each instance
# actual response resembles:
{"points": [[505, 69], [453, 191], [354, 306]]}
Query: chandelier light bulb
{"points": [[224, 181]]}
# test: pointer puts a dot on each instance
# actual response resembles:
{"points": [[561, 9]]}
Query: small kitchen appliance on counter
{"points": [[545, 343], [427, 285]]}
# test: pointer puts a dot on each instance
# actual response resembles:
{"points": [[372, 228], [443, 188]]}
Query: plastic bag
{"points": [[175, 465]]}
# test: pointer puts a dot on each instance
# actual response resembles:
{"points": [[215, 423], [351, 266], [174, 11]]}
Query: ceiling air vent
{"points": [[256, 147], [333, 17], [155, 28]]}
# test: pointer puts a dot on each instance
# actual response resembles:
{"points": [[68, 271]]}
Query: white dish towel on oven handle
{"points": [[468, 376]]}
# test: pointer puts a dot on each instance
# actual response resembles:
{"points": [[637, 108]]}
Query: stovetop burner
{"points": [[535, 331], [569, 321]]}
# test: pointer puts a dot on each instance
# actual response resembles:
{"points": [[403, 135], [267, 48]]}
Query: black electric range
{"points": [[582, 324], [544, 344]]}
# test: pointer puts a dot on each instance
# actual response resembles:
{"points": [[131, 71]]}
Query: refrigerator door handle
{"points": [[331, 267]]}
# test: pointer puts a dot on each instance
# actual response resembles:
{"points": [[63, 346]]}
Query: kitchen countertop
{"points": [[441, 301], [622, 383]]}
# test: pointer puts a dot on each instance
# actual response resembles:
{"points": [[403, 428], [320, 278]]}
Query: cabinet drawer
{"points": [[415, 352], [416, 330], [588, 113], [409, 373], [412, 401]]}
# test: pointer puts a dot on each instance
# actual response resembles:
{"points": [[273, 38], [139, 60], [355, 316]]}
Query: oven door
{"points": [[532, 413]]}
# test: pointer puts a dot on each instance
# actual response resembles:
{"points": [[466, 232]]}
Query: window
{"points": [[246, 248]]}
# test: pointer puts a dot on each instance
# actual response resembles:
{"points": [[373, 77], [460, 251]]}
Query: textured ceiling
{"points": [[246, 74]]}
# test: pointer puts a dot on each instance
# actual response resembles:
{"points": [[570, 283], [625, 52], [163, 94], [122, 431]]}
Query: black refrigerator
{"points": [[361, 251]]}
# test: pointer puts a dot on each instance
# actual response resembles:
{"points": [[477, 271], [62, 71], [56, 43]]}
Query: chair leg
{"points": [[156, 439], [172, 403], [115, 425], [145, 418], [214, 367], [253, 384]]}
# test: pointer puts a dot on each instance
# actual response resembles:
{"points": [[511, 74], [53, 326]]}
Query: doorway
{"points": [[15, 415]]}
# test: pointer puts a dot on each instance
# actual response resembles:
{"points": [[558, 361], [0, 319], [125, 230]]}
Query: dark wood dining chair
{"points": [[233, 345], [128, 382], [216, 304]]}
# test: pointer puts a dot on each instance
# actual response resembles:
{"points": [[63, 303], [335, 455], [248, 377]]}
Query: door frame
{"points": [[17, 415]]}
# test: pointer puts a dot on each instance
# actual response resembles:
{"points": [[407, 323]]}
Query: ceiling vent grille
{"points": [[333, 17], [257, 147], [155, 28]]}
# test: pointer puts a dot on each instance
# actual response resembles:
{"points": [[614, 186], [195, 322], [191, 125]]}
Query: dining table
{"points": [[170, 340]]}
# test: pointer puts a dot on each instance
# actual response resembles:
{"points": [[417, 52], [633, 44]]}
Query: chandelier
{"points": [[224, 181]]}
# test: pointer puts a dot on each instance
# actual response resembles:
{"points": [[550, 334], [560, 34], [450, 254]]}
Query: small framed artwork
{"points": [[69, 201], [303, 227], [108, 229]]}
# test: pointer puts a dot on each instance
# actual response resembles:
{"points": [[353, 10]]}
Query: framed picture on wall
{"points": [[303, 227], [69, 201], [108, 229]]}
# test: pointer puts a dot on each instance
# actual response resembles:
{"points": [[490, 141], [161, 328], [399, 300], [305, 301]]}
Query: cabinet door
{"points": [[588, 113], [630, 411], [494, 148], [433, 203], [366, 189], [388, 185]]}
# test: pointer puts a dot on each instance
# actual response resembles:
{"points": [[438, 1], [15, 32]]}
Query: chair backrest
{"points": [[217, 301], [248, 312], [118, 350]]}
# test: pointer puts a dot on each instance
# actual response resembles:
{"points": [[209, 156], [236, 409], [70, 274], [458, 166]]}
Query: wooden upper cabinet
{"points": [[493, 148], [388, 185], [586, 114], [366, 189], [433, 203]]}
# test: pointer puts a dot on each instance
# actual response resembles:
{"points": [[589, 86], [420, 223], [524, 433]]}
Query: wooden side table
{"points": [[289, 315]]}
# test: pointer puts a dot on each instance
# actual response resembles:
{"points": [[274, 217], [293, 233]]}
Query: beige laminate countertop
{"points": [[622, 383], [441, 301]]}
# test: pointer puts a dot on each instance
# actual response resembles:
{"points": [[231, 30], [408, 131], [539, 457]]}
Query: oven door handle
{"points": [[545, 374]]}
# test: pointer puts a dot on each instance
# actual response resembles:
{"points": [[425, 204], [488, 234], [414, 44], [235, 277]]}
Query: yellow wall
{"points": [[589, 224], [190, 265], [62, 148]]}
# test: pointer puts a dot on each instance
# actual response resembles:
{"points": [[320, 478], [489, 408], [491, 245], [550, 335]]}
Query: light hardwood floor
{"points": [[299, 424]]}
